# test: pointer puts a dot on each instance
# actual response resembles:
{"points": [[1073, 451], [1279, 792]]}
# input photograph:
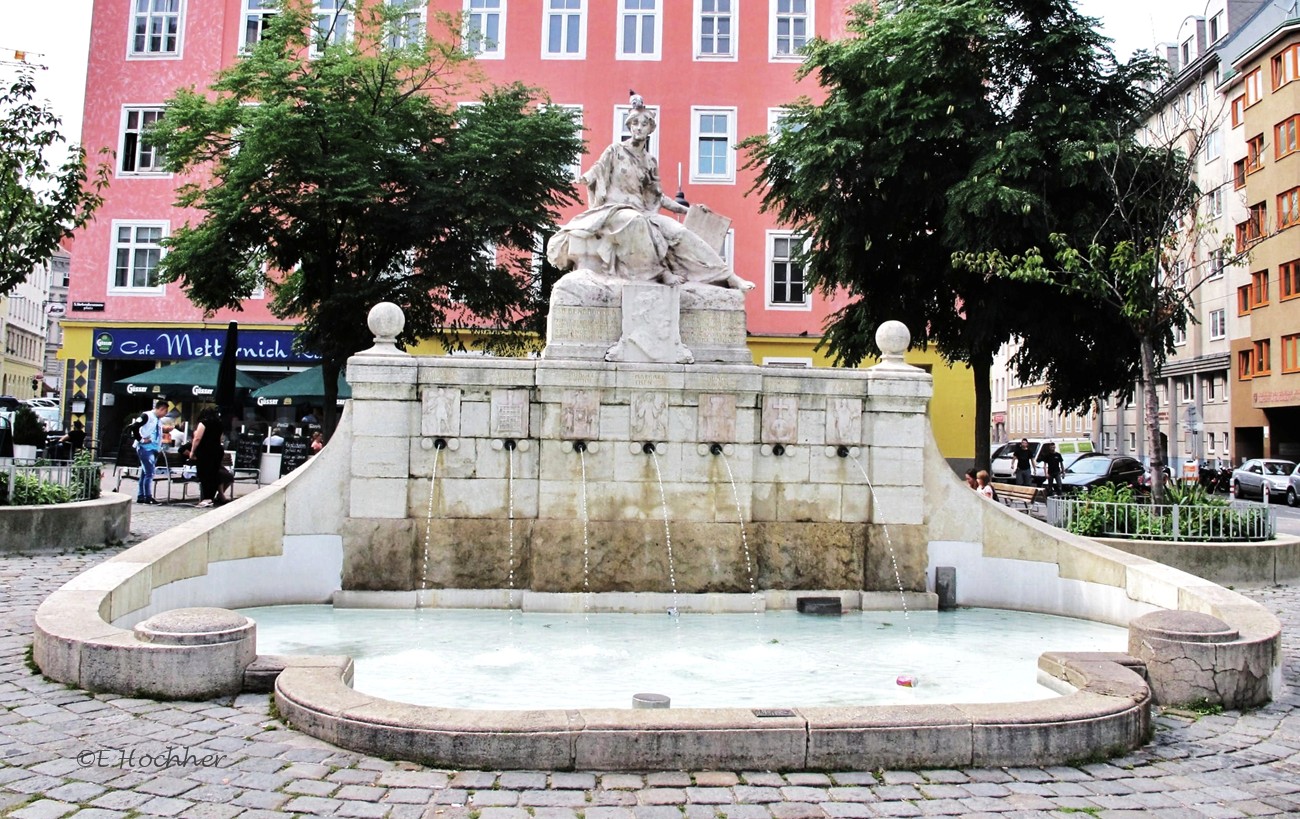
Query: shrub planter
{"points": [[31, 529]]}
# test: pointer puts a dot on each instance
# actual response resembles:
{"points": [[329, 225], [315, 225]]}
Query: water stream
{"points": [[744, 540], [586, 545], [428, 528], [668, 538], [893, 558], [510, 511]]}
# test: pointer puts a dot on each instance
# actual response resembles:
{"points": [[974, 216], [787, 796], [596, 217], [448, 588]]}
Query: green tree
{"points": [[40, 205], [341, 174], [947, 126]]}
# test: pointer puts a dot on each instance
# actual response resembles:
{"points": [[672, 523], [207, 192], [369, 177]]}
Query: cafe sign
{"points": [[168, 344]]}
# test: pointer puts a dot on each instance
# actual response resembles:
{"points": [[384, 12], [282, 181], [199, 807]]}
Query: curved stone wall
{"points": [[99, 522]]}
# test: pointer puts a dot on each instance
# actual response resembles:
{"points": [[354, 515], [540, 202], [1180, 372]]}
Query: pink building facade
{"points": [[715, 71]]}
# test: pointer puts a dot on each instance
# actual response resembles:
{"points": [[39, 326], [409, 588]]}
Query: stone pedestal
{"points": [[1194, 658]]}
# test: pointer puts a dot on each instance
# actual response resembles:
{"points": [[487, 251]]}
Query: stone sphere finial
{"points": [[892, 338], [386, 321]]}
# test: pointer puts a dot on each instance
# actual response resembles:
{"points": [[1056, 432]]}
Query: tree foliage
{"points": [[40, 204], [949, 126], [339, 175]]}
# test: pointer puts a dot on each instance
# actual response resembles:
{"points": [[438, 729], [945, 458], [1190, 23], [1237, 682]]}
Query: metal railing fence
{"points": [[37, 483], [1143, 521]]}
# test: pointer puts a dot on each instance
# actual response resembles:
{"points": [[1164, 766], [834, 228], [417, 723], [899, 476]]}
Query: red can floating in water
{"points": [[907, 681]]}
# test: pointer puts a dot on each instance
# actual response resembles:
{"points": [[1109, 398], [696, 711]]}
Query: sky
{"points": [[56, 33]]}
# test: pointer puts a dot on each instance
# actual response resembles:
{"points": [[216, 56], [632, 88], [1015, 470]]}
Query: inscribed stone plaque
{"points": [[651, 329], [580, 415], [717, 418], [843, 421], [441, 412], [649, 416], [509, 414], [780, 419]]}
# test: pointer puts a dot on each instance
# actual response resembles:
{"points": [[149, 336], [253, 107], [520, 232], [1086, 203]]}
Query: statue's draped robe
{"points": [[623, 235]]}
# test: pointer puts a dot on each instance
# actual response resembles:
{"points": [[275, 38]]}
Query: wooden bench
{"points": [[1026, 496]]}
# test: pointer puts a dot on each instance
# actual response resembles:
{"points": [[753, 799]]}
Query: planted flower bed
{"points": [[1190, 515]]}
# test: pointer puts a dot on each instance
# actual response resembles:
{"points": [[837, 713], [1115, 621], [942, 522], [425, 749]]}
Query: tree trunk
{"points": [[980, 363], [1152, 413]]}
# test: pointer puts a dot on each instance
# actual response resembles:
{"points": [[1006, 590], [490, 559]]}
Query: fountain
{"points": [[459, 489]]}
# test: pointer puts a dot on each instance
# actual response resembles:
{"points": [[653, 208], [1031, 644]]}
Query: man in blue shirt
{"points": [[147, 447]]}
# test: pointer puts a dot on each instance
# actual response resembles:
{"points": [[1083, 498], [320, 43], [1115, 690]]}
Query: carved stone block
{"points": [[649, 416], [440, 414], [509, 414], [717, 418], [843, 421], [651, 326], [580, 415], [780, 419]]}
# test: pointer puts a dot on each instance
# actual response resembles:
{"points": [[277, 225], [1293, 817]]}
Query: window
{"points": [[257, 16], [1288, 276], [575, 112], [1288, 208], [1213, 144], [1216, 27], [564, 30], [1186, 390], [1218, 324], [136, 155], [156, 28], [1217, 263], [785, 282], [1238, 110], [410, 27], [1252, 230], [1243, 300], [1254, 87], [1258, 289], [1180, 336], [715, 29], [1254, 153], [1209, 450], [1186, 53], [331, 21], [639, 29], [485, 28], [1284, 137], [791, 28], [1132, 442], [1208, 384], [136, 252], [1284, 66], [713, 132], [1263, 360], [1291, 353], [1245, 365], [1239, 174], [620, 114]]}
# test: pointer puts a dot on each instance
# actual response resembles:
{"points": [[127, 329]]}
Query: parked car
{"points": [[1261, 477], [1293, 487], [1095, 469], [1002, 465]]}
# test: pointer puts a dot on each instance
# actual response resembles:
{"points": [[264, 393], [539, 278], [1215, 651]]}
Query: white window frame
{"points": [[697, 31], [263, 12], [149, 15], [549, 13], [728, 177], [1186, 389], [774, 14], [658, 23], [1218, 324], [621, 135], [769, 259], [415, 15], [575, 168], [122, 149], [336, 21], [134, 224], [1213, 144], [1180, 336], [483, 49]]}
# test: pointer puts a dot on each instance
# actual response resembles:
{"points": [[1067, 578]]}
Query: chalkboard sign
{"points": [[297, 450], [248, 451]]}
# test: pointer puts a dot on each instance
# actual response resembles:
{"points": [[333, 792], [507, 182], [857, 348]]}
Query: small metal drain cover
{"points": [[773, 712]]}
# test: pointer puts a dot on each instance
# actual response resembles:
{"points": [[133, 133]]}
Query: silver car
{"points": [[1262, 478], [1293, 487]]}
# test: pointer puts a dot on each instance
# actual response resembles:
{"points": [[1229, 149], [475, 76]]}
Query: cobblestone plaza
{"points": [[64, 752]]}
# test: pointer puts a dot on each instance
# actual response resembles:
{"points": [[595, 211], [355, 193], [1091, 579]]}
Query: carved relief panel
{"points": [[717, 418], [509, 414], [649, 416], [580, 415], [844, 421], [780, 419], [440, 415]]}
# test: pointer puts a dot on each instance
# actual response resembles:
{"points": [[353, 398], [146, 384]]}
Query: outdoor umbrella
{"points": [[308, 385], [227, 376], [195, 377]]}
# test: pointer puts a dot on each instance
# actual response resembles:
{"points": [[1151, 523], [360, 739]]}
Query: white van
{"points": [[1002, 466]]}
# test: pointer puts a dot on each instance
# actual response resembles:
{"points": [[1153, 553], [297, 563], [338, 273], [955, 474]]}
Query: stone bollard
{"points": [[1193, 658]]}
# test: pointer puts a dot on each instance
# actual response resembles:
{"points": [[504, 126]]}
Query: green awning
{"points": [[301, 387], [194, 378]]}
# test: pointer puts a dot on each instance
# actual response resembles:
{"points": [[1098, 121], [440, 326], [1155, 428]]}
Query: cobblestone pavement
{"points": [[64, 752]]}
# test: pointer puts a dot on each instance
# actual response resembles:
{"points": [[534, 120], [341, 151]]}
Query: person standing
{"points": [[1024, 463], [1054, 464], [147, 448], [206, 452]]}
